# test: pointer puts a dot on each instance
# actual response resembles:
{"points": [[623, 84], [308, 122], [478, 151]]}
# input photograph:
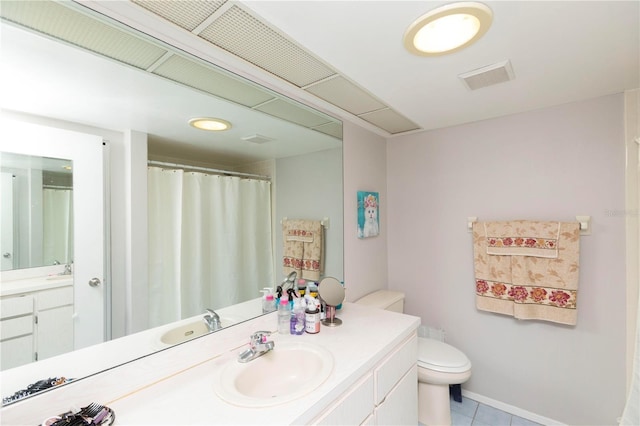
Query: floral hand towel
{"points": [[523, 238], [303, 249], [529, 287]]}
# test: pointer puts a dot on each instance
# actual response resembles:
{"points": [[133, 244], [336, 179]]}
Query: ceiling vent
{"points": [[488, 76], [256, 138]]}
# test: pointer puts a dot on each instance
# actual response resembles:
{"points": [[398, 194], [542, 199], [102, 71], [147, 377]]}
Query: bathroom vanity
{"points": [[36, 319], [372, 379]]}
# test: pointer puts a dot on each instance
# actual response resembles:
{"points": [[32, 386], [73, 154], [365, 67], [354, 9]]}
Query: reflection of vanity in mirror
{"points": [[37, 231], [137, 113]]}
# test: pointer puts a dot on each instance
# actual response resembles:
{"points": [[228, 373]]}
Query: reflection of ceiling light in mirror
{"points": [[66, 167], [210, 124], [448, 29]]}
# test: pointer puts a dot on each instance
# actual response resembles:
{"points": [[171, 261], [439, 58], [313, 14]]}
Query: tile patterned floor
{"points": [[471, 413]]}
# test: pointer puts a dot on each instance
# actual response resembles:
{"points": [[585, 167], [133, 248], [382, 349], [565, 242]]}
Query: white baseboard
{"points": [[512, 410]]}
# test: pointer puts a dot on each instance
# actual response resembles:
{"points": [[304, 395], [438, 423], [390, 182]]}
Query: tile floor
{"points": [[471, 413]]}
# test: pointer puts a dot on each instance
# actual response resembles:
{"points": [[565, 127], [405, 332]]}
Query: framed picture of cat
{"points": [[368, 205]]}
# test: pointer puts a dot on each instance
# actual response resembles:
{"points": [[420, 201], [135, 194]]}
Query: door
{"points": [[86, 153], [6, 221]]}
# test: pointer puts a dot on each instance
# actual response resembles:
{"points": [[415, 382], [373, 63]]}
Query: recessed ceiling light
{"points": [[210, 124], [448, 29]]}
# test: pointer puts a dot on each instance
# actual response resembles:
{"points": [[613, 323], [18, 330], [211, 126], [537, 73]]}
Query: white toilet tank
{"points": [[384, 299]]}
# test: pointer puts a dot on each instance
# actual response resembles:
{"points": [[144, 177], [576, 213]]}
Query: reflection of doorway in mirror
{"points": [[85, 153], [6, 221], [57, 211]]}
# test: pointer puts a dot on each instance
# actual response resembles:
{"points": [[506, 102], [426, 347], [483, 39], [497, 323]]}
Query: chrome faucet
{"points": [[258, 346], [67, 269], [212, 320]]}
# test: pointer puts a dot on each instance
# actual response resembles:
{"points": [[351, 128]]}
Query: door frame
{"points": [[18, 137]]}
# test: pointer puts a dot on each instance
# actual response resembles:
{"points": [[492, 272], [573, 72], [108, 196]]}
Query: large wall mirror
{"points": [[80, 70]]}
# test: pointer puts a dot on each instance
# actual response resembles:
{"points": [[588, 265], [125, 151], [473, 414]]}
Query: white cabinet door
{"points": [[400, 407], [55, 332], [16, 352], [86, 153]]}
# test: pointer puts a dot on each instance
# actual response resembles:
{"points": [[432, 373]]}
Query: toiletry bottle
{"points": [[268, 301], [284, 315], [296, 325], [302, 287], [291, 293], [313, 290], [340, 305], [312, 317]]}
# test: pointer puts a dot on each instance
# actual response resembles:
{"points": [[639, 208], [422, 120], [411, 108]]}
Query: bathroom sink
{"points": [[59, 277], [191, 330], [184, 332], [290, 371]]}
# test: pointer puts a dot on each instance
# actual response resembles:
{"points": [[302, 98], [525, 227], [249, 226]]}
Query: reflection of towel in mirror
{"points": [[528, 284], [303, 248]]}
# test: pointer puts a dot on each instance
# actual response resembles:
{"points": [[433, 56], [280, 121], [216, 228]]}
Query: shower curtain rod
{"points": [[57, 187], [206, 169]]}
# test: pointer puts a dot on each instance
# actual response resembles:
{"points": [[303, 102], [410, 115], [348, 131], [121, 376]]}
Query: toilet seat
{"points": [[439, 356]]}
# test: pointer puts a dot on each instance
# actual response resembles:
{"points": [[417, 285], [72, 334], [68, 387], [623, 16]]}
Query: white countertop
{"points": [[13, 287], [93, 359], [175, 386]]}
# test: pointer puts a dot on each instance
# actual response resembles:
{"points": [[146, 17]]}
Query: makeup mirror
{"points": [[331, 292]]}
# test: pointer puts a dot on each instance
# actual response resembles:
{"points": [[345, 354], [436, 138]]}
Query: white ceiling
{"points": [[561, 51], [43, 77]]}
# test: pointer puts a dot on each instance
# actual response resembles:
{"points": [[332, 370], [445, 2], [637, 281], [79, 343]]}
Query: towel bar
{"points": [[324, 222], [585, 224]]}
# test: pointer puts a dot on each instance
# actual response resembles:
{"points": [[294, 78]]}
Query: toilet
{"points": [[439, 365]]}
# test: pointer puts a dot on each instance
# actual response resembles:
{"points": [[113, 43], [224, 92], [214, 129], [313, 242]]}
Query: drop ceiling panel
{"points": [[243, 35], [204, 78], [294, 113], [81, 30], [331, 129], [346, 95], [187, 14], [391, 121]]}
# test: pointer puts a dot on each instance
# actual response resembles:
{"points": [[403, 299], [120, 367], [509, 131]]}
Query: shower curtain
{"points": [[57, 224], [209, 242]]}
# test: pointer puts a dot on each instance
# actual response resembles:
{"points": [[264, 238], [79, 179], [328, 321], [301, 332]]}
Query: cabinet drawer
{"points": [[353, 407], [53, 298], [14, 306], [394, 367], [16, 327]]}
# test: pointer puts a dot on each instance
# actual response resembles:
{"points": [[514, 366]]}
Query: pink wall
{"points": [[551, 164], [365, 169]]}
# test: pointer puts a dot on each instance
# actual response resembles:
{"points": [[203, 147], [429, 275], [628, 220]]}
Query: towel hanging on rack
{"points": [[303, 248], [528, 284]]}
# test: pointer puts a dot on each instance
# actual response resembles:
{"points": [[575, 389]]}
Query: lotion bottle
{"points": [[312, 317]]}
